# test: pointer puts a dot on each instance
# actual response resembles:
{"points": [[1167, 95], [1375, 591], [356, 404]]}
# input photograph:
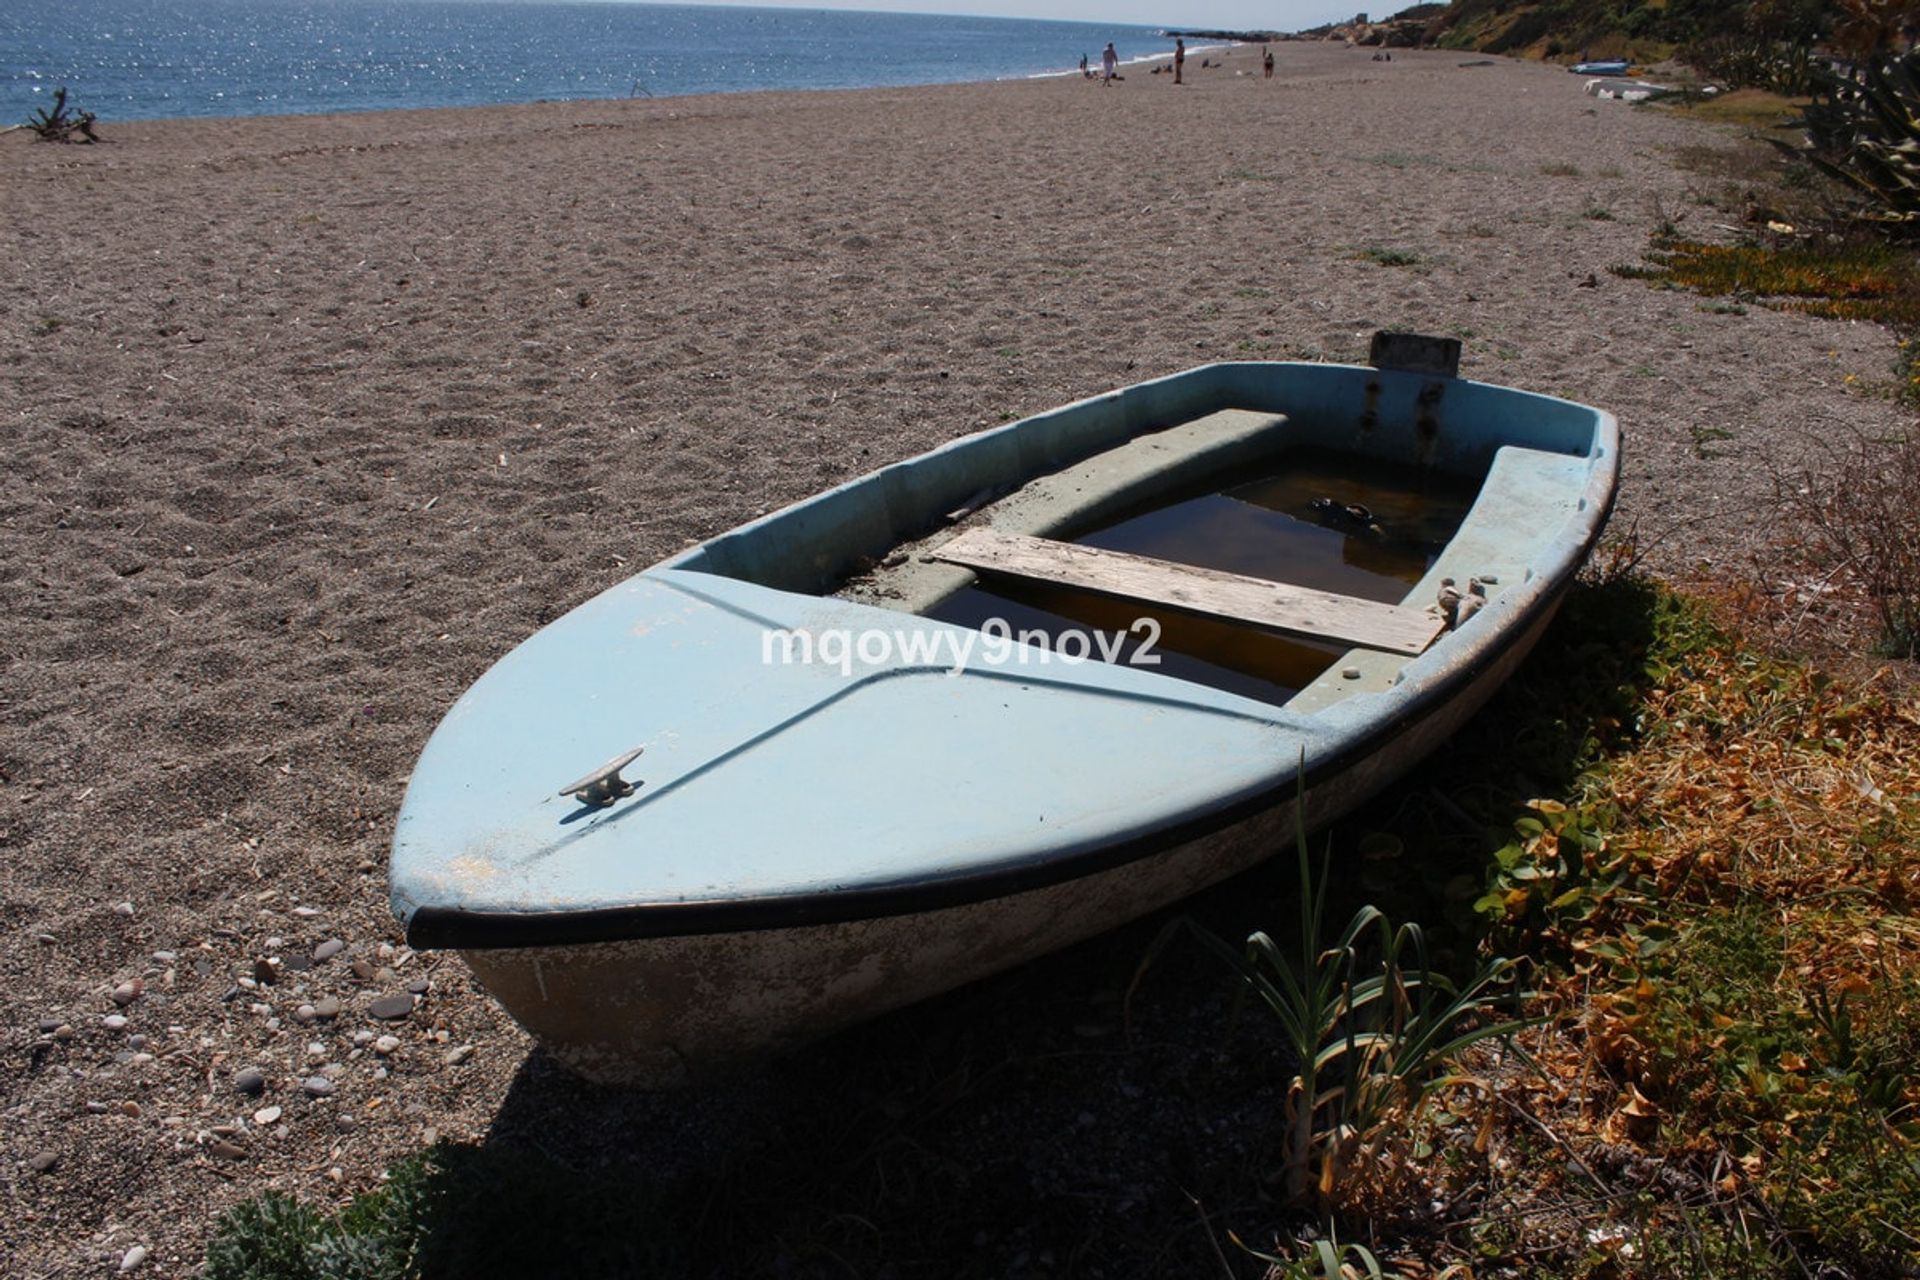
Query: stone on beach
{"points": [[391, 1008]]}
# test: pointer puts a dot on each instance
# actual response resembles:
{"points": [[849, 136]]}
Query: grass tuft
{"points": [[1390, 257]]}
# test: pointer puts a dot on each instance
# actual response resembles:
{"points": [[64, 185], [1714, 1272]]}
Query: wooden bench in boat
{"points": [[1082, 495], [1234, 597]]}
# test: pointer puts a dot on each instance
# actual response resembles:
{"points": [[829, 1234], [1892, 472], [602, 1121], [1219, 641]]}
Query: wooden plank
{"points": [[1299, 611]]}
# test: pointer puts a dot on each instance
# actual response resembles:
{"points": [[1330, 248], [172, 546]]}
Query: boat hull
{"points": [[662, 1013]]}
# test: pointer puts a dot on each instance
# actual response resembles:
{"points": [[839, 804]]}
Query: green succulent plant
{"points": [[1864, 125]]}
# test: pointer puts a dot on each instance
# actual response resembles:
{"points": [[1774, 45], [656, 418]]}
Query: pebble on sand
{"points": [[133, 1258], [328, 950], [317, 1086], [266, 1115], [127, 992], [43, 1161], [391, 1007], [250, 1080]]}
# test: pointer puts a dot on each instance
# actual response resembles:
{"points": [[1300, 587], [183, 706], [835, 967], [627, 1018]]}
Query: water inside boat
{"points": [[1267, 527]]}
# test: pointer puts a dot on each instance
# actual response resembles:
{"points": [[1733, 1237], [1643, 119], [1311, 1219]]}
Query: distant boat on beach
{"points": [[1603, 67]]}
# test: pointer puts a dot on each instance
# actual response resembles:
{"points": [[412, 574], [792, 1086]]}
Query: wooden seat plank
{"points": [[1299, 611]]}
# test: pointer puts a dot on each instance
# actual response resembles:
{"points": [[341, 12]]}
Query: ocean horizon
{"points": [[162, 59]]}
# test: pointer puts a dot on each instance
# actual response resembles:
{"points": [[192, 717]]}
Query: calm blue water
{"points": [[141, 59]]}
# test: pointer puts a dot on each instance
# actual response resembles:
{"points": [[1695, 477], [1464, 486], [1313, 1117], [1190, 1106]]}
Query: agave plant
{"points": [[1864, 125]]}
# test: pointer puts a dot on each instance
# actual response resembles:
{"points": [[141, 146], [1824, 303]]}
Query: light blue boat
{"points": [[755, 793]]}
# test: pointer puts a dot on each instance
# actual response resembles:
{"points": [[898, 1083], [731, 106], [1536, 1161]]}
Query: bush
{"points": [[1755, 62], [1862, 512], [1864, 125]]}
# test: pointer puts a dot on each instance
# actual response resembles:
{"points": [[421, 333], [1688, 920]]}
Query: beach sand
{"points": [[308, 420]]}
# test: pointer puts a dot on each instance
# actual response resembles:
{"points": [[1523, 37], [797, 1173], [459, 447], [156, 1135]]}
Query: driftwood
{"points": [[58, 124]]}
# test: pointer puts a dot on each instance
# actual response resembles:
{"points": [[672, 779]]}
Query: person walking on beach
{"points": [[1266, 62], [1108, 61], [1085, 70], [1179, 58]]}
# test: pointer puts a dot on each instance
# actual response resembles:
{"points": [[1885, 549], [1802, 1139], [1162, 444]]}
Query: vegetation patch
{"points": [[1757, 109], [1399, 160], [1390, 257], [1732, 903], [1714, 883], [455, 1211], [1850, 279], [1864, 127], [1857, 537], [1867, 280]]}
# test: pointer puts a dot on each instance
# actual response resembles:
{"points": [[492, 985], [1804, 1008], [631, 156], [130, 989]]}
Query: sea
{"points": [[157, 59]]}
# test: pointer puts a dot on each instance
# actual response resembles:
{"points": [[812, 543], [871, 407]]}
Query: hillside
{"points": [[1644, 30]]}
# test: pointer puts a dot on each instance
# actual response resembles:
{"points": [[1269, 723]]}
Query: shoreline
{"points": [[313, 417], [1145, 59], [678, 51], [669, 101]]}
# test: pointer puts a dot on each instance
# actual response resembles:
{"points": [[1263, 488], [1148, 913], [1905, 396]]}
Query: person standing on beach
{"points": [[1108, 61], [1266, 62], [1085, 70], [1179, 58]]}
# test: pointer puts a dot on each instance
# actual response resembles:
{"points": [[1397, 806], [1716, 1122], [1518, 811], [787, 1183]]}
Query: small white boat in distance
{"points": [[771, 786]]}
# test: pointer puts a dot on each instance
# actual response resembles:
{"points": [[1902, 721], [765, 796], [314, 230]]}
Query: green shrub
{"points": [[1864, 126], [455, 1212]]}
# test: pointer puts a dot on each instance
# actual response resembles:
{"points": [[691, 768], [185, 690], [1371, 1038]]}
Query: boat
{"points": [[1601, 67], [792, 778], [1630, 90]]}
